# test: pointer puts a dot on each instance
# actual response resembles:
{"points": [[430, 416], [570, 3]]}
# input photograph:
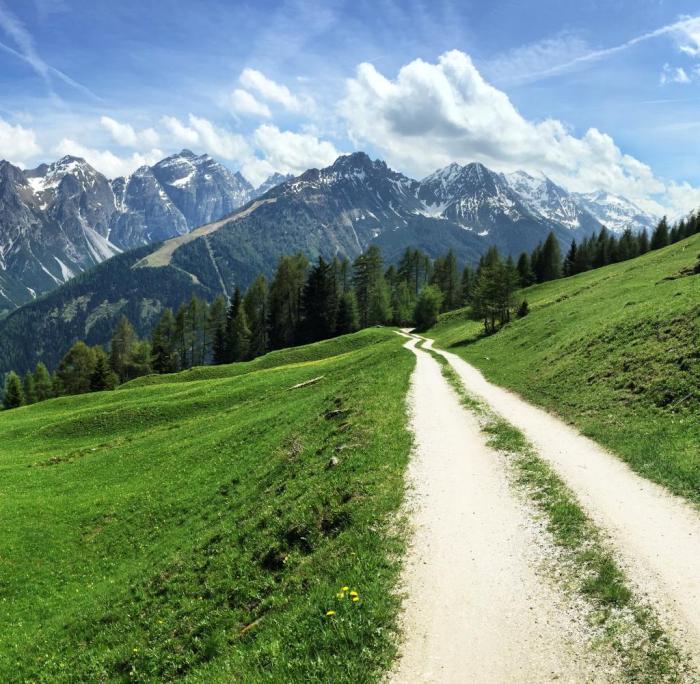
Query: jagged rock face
{"points": [[59, 219], [202, 189], [273, 181], [146, 213]]}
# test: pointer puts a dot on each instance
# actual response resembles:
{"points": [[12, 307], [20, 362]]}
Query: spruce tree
{"points": [[121, 348], [29, 388], [13, 396], [660, 237], [643, 242], [75, 369], [255, 304], [42, 382], [467, 284], [402, 304], [570, 260], [319, 304], [348, 320], [102, 377], [525, 274], [163, 353], [551, 259], [284, 304]]}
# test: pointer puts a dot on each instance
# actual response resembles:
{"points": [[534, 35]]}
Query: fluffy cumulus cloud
{"points": [[203, 134], [269, 90], [243, 102], [127, 136], [286, 152], [433, 114], [105, 161], [17, 144]]}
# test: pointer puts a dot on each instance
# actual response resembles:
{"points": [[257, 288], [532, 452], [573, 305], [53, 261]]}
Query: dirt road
{"points": [[476, 609], [656, 536]]}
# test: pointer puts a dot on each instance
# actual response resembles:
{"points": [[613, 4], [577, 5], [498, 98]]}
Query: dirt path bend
{"points": [[656, 534], [476, 609]]}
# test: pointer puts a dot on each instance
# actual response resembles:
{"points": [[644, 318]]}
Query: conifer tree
{"points": [[660, 237], [42, 382], [76, 368], [102, 378], [163, 353], [319, 304], [284, 307], [643, 242], [29, 388], [570, 260], [403, 304], [121, 348], [525, 274], [348, 320], [467, 284], [255, 304], [13, 396], [551, 259]]}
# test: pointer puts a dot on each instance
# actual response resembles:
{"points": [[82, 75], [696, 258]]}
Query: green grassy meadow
{"points": [[200, 526], [615, 352]]}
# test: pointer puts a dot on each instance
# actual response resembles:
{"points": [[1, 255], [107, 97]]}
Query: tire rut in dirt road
{"points": [[476, 609]]}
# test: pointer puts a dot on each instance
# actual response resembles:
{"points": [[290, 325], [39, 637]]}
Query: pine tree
{"points": [[527, 277], [402, 304], [319, 303], [240, 342], [29, 388], [255, 303], [551, 259], [468, 276], [446, 278], [643, 242], [163, 353], [348, 320], [284, 307], [13, 396], [660, 237], [120, 348], [570, 260], [42, 382], [76, 368], [102, 377], [371, 289]]}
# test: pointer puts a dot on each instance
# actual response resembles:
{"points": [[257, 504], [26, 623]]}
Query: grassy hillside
{"points": [[616, 352], [203, 529]]}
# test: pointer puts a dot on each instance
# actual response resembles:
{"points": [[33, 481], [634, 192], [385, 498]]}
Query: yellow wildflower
{"points": [[355, 599], [344, 588], [340, 595], [330, 613], [353, 594]]}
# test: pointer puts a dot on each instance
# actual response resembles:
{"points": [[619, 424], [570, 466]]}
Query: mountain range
{"points": [[138, 233], [60, 219]]}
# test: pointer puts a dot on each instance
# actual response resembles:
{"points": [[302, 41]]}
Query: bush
{"points": [[523, 309]]}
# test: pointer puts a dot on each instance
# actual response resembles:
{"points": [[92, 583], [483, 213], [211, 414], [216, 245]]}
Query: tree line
{"points": [[303, 303], [306, 302]]}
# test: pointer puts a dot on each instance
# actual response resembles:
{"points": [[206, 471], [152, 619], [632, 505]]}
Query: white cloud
{"points": [[272, 91], [244, 102], [203, 134], [107, 162], [524, 63], [17, 144], [433, 114], [671, 74], [127, 136], [681, 199], [287, 152], [687, 34]]}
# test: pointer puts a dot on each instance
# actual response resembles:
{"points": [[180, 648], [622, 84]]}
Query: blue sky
{"points": [[596, 94]]}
